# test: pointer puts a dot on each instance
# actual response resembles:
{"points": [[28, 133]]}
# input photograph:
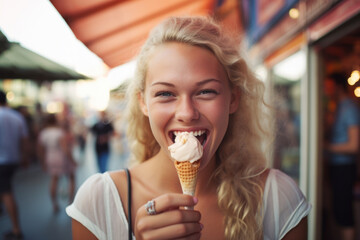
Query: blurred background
{"points": [[72, 58]]}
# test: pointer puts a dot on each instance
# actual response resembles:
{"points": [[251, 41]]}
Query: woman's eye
{"points": [[163, 94], [208, 91]]}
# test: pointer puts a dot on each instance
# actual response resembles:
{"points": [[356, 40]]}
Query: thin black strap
{"points": [[129, 202]]}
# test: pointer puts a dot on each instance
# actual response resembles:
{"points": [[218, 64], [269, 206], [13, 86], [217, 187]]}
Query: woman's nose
{"points": [[186, 110]]}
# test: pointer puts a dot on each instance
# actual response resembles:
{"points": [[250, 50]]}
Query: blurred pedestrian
{"points": [[55, 152], [343, 149], [38, 124], [13, 147], [103, 130], [29, 120], [80, 133]]}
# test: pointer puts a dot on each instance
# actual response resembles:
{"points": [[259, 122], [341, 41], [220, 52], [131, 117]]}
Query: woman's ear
{"points": [[234, 101], [142, 104]]}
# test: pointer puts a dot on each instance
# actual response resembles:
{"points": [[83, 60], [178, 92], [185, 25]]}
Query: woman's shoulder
{"points": [[97, 192], [280, 184], [118, 175], [89, 197], [283, 195], [93, 185], [281, 179], [284, 204], [120, 180], [97, 206]]}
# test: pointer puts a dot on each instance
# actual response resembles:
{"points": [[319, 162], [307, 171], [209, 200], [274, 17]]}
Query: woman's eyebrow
{"points": [[162, 83], [198, 84], [208, 80]]}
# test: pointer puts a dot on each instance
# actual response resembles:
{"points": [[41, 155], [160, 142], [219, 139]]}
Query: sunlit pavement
{"points": [[31, 187]]}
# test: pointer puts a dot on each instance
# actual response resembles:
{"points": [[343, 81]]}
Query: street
{"points": [[31, 187]]}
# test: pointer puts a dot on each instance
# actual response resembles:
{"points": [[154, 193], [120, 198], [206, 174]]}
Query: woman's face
{"points": [[186, 89]]}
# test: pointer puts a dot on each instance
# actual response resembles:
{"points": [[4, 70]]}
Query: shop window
{"points": [[286, 80]]}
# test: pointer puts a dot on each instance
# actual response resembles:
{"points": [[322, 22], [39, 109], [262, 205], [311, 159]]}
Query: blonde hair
{"points": [[240, 156]]}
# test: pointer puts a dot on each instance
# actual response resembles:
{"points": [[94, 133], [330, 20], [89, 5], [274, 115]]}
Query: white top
{"points": [[50, 138], [98, 207]]}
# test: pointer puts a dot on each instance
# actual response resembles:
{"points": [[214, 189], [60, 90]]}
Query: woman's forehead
{"points": [[179, 58]]}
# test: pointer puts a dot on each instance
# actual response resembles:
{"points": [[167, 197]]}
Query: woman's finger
{"points": [[167, 218], [195, 236], [177, 231], [170, 201]]}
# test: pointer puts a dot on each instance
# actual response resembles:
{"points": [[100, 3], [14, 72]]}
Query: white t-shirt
{"points": [[98, 207]]}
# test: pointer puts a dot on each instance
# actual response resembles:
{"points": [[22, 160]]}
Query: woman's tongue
{"points": [[201, 138]]}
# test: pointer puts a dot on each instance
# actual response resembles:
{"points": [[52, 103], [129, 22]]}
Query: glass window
{"points": [[286, 81]]}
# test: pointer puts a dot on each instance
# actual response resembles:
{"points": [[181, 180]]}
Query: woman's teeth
{"points": [[195, 133]]}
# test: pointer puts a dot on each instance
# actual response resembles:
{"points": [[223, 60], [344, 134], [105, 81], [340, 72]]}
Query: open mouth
{"points": [[201, 135]]}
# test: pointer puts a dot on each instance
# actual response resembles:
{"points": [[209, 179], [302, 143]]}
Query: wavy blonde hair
{"points": [[240, 156]]}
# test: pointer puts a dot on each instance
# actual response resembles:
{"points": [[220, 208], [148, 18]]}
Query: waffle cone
{"points": [[187, 173]]}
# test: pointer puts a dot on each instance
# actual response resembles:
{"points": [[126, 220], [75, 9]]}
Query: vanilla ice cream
{"points": [[186, 148], [186, 153]]}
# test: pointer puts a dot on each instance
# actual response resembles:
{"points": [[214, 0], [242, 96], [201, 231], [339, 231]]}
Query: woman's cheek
{"points": [[159, 116], [162, 111]]}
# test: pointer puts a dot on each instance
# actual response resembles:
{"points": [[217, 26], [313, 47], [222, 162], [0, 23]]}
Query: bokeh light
{"points": [[354, 77], [294, 13], [357, 92]]}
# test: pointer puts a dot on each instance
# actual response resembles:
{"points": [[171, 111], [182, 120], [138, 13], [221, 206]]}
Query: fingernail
{"points": [[195, 200], [201, 226]]}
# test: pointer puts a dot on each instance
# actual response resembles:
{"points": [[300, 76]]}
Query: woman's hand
{"points": [[171, 220]]}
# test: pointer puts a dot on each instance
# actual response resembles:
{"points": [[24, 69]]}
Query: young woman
{"points": [[191, 77], [54, 148]]}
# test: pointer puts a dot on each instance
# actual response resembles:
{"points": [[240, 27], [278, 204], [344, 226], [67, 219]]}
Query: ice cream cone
{"points": [[186, 153], [187, 173]]}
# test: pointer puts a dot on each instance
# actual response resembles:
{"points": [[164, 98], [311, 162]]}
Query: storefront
{"points": [[298, 43]]}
